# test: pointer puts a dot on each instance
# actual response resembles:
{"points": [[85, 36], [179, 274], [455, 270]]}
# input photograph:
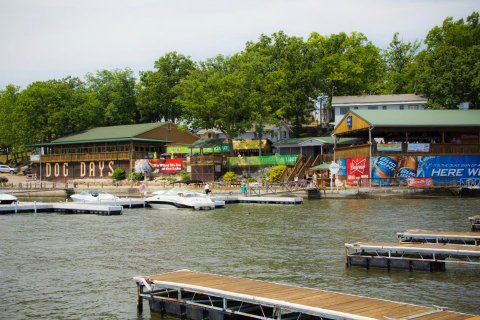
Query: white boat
{"points": [[179, 198], [7, 198], [93, 196]]}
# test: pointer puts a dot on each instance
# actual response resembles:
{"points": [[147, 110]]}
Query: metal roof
{"points": [[420, 118], [312, 141], [378, 99]]}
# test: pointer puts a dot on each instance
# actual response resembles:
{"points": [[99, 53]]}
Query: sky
{"points": [[51, 39]]}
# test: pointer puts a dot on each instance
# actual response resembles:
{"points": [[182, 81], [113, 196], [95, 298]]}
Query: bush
{"points": [[3, 180], [136, 176], [276, 172], [184, 175], [229, 177], [118, 174], [251, 180]]}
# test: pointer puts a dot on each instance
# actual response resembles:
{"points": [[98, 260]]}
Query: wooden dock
{"points": [[65, 207], [261, 200], [197, 296], [466, 238], [412, 256], [475, 223]]}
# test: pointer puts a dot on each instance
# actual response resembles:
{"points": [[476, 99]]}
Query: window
{"points": [[356, 108], [372, 108], [413, 108], [401, 107], [344, 110], [384, 107]]}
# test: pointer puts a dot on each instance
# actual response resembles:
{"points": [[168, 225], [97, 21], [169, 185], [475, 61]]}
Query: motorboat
{"points": [[93, 196], [179, 198], [6, 198]]}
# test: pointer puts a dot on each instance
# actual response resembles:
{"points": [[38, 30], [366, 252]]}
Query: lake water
{"points": [[56, 266]]}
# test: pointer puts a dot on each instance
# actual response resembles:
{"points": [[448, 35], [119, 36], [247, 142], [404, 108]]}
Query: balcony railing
{"points": [[94, 156]]}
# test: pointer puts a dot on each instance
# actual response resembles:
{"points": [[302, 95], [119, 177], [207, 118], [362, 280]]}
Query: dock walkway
{"points": [[262, 200], [467, 238], [197, 296], [413, 256], [66, 207]]}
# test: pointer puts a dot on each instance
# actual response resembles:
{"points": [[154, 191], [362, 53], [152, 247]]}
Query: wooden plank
{"points": [[303, 297]]}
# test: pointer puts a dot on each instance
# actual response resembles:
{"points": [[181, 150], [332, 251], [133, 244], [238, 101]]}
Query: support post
{"points": [[139, 298]]}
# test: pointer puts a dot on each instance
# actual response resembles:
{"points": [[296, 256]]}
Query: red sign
{"points": [[419, 182], [172, 166], [357, 168]]}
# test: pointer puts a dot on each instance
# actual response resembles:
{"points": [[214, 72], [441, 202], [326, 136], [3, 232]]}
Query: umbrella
{"points": [[323, 166]]}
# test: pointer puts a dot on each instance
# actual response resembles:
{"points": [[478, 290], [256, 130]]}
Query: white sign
{"points": [[334, 167]]}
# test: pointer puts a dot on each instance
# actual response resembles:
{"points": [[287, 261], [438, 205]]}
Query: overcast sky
{"points": [[52, 39]]}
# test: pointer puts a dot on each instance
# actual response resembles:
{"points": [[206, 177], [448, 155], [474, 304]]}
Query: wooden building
{"points": [[442, 145], [97, 152]]}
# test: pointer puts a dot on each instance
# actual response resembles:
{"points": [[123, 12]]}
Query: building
{"points": [[97, 152], [442, 146], [343, 104]]}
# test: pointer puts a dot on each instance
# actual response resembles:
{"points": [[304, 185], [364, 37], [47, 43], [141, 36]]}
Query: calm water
{"points": [[56, 266]]}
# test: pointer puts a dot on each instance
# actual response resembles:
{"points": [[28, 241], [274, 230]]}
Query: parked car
{"points": [[7, 169]]}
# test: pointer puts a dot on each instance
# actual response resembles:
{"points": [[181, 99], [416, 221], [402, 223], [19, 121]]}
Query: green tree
{"points": [[116, 92], [47, 110], [347, 64], [400, 58], [8, 129], [156, 99], [215, 96], [448, 70]]}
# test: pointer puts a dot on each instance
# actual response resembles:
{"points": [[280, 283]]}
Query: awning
{"points": [[323, 166]]}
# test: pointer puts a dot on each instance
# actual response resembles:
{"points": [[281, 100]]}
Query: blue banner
{"points": [[442, 168]]}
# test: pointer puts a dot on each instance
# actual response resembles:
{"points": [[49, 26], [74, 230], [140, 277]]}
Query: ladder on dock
{"points": [[197, 296]]}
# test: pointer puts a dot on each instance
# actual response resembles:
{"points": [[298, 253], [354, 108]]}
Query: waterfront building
{"points": [[341, 105], [97, 152], [414, 147]]}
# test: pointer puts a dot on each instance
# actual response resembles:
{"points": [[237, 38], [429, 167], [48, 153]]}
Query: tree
{"points": [[8, 98], [449, 68], [347, 64], [116, 92], [48, 110], [214, 96], [156, 99], [400, 58]]}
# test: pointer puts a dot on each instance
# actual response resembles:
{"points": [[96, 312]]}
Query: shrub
{"points": [[118, 174], [3, 179], [136, 176], [251, 180], [184, 175], [276, 172], [229, 177]]}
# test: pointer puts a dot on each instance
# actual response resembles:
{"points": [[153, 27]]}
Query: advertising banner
{"points": [[172, 166], [389, 147], [357, 168], [418, 147], [448, 168], [420, 182], [287, 159]]}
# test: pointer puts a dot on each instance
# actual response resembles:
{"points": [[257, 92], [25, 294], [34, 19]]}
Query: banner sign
{"points": [[172, 166], [187, 149], [418, 147], [448, 167], [157, 166], [420, 182], [263, 160], [389, 147], [357, 168]]}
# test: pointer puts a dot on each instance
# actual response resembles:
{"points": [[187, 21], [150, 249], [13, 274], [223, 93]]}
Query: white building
{"points": [[343, 104], [271, 132]]}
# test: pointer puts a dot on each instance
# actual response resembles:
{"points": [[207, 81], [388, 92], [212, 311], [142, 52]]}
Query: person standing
{"points": [[141, 189], [243, 189], [207, 188]]}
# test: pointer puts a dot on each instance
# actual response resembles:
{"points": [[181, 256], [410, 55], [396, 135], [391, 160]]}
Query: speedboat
{"points": [[93, 196], [179, 198], [7, 198]]}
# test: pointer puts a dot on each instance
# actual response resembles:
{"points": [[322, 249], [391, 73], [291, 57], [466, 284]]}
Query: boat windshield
{"points": [[183, 193]]}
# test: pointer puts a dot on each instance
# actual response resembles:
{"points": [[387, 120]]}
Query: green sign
{"points": [[287, 159]]}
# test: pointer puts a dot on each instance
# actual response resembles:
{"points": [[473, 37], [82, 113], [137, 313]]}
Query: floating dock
{"points": [[65, 207], [199, 296], [262, 200], [475, 223], [412, 256], [466, 238]]}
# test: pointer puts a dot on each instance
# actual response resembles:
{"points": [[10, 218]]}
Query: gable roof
{"points": [[378, 99], [420, 118], [411, 119], [113, 133]]}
